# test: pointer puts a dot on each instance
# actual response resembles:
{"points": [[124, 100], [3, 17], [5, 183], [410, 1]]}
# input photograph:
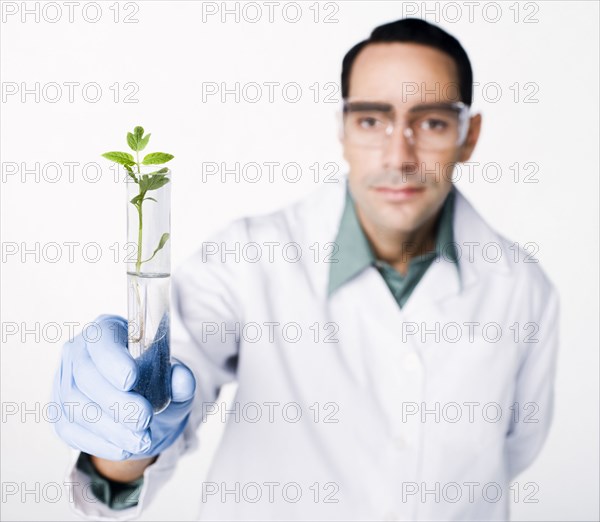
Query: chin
{"points": [[406, 213], [399, 223]]}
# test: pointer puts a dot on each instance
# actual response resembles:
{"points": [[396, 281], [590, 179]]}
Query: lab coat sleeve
{"points": [[205, 307], [534, 397]]}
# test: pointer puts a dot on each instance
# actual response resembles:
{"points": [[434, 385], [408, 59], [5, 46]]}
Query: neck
{"points": [[397, 247]]}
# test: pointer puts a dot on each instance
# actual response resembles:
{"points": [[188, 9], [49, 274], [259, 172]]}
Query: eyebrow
{"points": [[368, 106], [388, 107], [434, 106]]}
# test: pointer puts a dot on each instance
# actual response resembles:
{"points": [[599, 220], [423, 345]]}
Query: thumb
{"points": [[183, 382]]}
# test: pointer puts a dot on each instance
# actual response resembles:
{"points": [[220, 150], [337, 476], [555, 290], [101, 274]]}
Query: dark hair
{"points": [[415, 30]]}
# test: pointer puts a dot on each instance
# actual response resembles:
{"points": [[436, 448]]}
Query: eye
{"points": [[368, 122], [434, 124]]}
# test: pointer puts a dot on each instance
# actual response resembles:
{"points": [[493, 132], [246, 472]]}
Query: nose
{"points": [[398, 153]]}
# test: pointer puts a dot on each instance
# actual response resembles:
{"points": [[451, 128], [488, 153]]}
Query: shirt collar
{"points": [[354, 252]]}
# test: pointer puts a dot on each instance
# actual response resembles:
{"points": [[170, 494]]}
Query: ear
{"points": [[471, 139]]}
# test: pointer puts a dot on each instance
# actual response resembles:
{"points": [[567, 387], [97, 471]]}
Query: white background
{"points": [[170, 53]]}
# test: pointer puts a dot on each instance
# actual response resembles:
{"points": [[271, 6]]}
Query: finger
{"points": [[77, 416], [83, 440], [112, 426], [183, 382], [57, 394], [88, 380], [111, 317], [110, 355], [71, 351]]}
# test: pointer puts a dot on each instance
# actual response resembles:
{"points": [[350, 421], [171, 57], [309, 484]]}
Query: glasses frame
{"points": [[464, 117]]}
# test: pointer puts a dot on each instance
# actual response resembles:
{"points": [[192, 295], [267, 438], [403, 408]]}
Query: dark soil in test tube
{"points": [[154, 369]]}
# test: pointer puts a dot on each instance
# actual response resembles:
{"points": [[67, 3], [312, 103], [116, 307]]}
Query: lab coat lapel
{"points": [[441, 286], [439, 282]]}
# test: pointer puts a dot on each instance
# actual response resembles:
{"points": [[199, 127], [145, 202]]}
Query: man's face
{"points": [[399, 187]]}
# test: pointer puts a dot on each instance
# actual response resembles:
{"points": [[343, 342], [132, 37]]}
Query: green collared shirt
{"points": [[116, 495], [355, 253]]}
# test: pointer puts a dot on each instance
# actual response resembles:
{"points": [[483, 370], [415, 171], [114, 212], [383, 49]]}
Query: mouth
{"points": [[399, 194]]}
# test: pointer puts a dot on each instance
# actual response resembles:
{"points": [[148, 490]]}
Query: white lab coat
{"points": [[380, 460]]}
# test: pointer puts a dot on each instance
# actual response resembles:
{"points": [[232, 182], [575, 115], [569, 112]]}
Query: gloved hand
{"points": [[101, 416]]}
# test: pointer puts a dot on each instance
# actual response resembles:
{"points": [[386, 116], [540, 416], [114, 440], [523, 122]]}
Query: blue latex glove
{"points": [[101, 415]]}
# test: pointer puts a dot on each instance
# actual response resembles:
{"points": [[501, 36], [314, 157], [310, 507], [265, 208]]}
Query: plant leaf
{"points": [[130, 173], [138, 132], [144, 182], [157, 158], [161, 171], [143, 142], [164, 170], [137, 199], [148, 182], [123, 158], [132, 141], [163, 239], [157, 182]]}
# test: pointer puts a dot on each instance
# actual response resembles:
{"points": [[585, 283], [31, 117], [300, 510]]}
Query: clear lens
{"points": [[367, 128], [435, 128], [428, 127]]}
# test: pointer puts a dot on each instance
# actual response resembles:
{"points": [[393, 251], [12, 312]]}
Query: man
{"points": [[394, 356]]}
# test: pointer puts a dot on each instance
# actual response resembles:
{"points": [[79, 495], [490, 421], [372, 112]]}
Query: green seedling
{"points": [[147, 182]]}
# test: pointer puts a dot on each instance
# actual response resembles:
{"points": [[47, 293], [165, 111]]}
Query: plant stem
{"points": [[138, 263]]}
